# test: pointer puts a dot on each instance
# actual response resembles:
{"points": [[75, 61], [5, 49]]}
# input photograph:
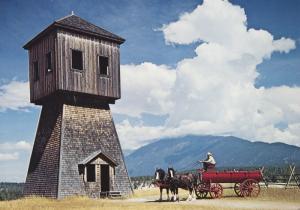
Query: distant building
{"points": [[74, 73]]}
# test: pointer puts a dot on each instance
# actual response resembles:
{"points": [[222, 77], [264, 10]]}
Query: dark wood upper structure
{"points": [[74, 56]]}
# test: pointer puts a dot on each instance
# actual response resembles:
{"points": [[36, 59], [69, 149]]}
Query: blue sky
{"points": [[148, 49]]}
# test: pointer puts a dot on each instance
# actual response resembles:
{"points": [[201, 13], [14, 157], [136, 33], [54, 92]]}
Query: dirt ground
{"points": [[270, 198], [226, 203]]}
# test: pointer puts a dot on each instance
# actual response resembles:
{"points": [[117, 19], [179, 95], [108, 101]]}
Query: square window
{"points": [[91, 173], [103, 65], [36, 75], [48, 62], [77, 61]]}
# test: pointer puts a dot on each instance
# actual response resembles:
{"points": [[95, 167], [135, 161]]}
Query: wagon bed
{"points": [[246, 183], [230, 176]]}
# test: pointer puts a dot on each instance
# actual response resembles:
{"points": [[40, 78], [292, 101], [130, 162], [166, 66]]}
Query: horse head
{"points": [[159, 174], [171, 172]]}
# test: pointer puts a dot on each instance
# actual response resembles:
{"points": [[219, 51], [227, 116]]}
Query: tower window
{"points": [[103, 65], [48, 62], [91, 173], [77, 61], [36, 75]]}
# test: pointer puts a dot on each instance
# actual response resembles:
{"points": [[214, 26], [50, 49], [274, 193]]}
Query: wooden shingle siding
{"points": [[86, 130], [42, 176], [66, 135]]}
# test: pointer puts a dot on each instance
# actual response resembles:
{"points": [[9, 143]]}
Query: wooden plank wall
{"points": [[88, 80], [46, 83]]}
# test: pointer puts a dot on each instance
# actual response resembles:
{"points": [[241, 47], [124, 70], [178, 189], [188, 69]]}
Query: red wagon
{"points": [[246, 183]]}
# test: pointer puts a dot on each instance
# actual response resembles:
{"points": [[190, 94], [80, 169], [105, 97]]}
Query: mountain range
{"points": [[183, 152]]}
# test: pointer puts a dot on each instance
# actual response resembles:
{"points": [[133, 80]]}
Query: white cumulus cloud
{"points": [[9, 156], [20, 145], [146, 88], [213, 92], [133, 136], [14, 96]]}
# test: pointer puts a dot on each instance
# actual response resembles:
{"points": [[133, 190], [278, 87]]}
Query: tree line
{"points": [[11, 191]]}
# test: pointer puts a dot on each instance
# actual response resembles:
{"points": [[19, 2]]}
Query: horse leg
{"points": [[160, 189], [193, 194], [190, 195], [172, 194], [167, 189], [177, 194], [188, 198], [174, 188]]}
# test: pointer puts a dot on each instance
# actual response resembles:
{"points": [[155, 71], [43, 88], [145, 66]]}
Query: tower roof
{"points": [[77, 24]]}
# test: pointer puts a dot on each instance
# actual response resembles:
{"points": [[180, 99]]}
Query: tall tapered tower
{"points": [[74, 74]]}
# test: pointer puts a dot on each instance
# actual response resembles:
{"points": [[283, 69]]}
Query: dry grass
{"points": [[277, 194], [83, 203]]}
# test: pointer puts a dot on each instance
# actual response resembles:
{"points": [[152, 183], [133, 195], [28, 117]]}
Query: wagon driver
{"points": [[209, 162]]}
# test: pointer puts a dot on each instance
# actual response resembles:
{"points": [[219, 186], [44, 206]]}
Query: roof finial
{"points": [[72, 13]]}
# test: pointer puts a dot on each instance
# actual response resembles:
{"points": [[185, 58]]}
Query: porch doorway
{"points": [[104, 171]]}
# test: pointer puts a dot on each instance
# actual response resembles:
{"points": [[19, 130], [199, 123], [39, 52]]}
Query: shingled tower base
{"points": [[65, 134]]}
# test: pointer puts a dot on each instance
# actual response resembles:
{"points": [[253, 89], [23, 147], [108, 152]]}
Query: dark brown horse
{"points": [[184, 181], [162, 182]]}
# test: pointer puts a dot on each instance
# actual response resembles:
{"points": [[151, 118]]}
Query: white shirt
{"points": [[210, 159]]}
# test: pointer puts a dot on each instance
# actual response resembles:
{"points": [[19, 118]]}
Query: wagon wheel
{"points": [[201, 190], [237, 189], [249, 188], [216, 190]]}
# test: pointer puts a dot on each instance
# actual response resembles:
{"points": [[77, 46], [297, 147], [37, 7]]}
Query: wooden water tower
{"points": [[74, 73]]}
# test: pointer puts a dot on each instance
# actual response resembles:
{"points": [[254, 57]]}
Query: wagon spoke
{"points": [[255, 189], [201, 190], [250, 188], [237, 189], [216, 190]]}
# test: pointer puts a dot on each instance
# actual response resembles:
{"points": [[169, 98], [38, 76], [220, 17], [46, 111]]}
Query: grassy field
{"points": [[276, 196]]}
